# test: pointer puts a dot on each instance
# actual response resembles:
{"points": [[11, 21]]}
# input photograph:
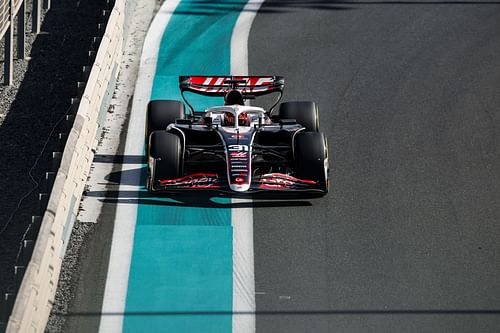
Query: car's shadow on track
{"points": [[195, 199], [217, 8]]}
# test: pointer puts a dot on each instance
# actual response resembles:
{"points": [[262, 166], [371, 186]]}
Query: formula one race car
{"points": [[235, 147]]}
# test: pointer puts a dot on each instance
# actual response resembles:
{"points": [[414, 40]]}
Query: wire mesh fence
{"points": [[9, 10], [4, 16]]}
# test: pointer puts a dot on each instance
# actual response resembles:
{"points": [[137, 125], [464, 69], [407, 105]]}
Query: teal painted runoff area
{"points": [[182, 268]]}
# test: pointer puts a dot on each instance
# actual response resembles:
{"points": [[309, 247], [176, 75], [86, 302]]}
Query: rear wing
{"points": [[249, 86]]}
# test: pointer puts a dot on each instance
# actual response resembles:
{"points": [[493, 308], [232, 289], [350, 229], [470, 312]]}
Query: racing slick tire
{"points": [[162, 113], [305, 113], [311, 158], [166, 149]]}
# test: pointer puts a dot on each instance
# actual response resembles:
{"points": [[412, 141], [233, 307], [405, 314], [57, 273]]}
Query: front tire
{"points": [[162, 113], [166, 149], [305, 113], [311, 158]]}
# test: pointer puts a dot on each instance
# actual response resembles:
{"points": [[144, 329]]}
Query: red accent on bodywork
{"points": [[215, 84], [281, 181], [201, 187], [196, 180], [272, 186], [240, 154]]}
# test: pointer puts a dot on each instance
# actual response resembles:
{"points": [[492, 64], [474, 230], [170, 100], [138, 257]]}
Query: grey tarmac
{"points": [[407, 240]]}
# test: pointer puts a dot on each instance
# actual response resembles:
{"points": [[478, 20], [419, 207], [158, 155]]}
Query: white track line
{"points": [[115, 293], [242, 218]]}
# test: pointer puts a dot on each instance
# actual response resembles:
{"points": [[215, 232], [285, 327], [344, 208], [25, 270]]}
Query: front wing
{"points": [[212, 181]]}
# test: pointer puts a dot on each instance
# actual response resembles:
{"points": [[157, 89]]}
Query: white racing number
{"points": [[238, 148]]}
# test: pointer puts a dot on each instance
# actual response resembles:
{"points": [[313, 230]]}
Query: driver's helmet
{"points": [[234, 97], [243, 119], [228, 119]]}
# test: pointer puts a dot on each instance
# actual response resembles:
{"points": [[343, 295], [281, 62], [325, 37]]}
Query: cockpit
{"points": [[236, 116], [244, 119]]}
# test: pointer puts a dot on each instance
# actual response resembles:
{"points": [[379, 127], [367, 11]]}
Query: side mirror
{"points": [[207, 121], [184, 122], [288, 122]]}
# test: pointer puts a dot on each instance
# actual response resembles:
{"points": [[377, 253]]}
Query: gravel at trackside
{"points": [[32, 106]]}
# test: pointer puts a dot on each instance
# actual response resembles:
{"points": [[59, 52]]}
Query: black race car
{"points": [[235, 147]]}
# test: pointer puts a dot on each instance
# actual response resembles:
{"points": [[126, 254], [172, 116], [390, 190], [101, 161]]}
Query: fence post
{"points": [[21, 31], [37, 13]]}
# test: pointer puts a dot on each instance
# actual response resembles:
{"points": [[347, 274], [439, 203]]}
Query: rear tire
{"points": [[166, 148], [305, 113], [162, 113], [311, 158]]}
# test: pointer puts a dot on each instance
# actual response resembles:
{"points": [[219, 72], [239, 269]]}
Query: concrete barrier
{"points": [[36, 294]]}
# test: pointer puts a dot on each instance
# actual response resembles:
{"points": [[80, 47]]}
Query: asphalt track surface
{"points": [[408, 238]]}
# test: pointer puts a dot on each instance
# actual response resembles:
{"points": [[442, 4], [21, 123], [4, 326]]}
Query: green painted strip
{"points": [[182, 257], [180, 269]]}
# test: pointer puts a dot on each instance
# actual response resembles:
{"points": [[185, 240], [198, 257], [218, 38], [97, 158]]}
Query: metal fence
{"points": [[9, 9], [4, 16]]}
